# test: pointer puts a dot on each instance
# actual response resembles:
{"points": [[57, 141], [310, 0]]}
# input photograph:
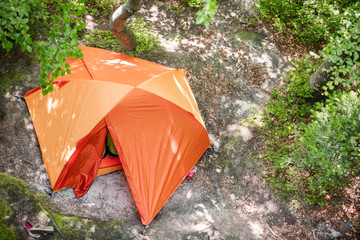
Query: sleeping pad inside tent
{"points": [[148, 109]]}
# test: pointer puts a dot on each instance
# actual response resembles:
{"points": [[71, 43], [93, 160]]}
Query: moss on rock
{"points": [[74, 227], [23, 201], [6, 232], [15, 189], [251, 38], [9, 79]]}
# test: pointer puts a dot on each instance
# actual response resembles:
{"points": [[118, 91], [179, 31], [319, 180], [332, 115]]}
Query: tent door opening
{"points": [[110, 159]]}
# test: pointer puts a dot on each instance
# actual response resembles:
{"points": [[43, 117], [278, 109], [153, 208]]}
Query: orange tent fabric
{"points": [[150, 111]]}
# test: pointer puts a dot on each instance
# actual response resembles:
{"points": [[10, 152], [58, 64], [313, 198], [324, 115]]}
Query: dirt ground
{"points": [[232, 72]]}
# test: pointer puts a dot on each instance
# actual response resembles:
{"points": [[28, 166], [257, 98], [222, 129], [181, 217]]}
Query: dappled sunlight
{"points": [[166, 23], [263, 95], [216, 205], [118, 62], [246, 133], [215, 140], [169, 44], [28, 124], [214, 219], [205, 224], [154, 14], [91, 25], [192, 43], [66, 154], [62, 121], [49, 123], [203, 213], [103, 65], [256, 227], [52, 104], [174, 145], [189, 194]]}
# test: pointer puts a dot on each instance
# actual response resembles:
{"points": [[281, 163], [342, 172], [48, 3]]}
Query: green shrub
{"points": [[48, 28], [313, 150], [18, 21], [312, 21], [102, 8], [329, 147], [104, 39], [343, 50], [288, 107]]}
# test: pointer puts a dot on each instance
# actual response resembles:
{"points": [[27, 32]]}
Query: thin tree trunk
{"points": [[117, 23], [319, 79]]}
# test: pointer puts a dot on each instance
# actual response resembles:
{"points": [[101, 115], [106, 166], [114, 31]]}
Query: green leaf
{"points": [[207, 21], [82, 25], [50, 88], [7, 45], [55, 74], [200, 18], [43, 86], [42, 82], [356, 56]]}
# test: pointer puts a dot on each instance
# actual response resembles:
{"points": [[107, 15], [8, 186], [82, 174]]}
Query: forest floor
{"points": [[232, 67]]}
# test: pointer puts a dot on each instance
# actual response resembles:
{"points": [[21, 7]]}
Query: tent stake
{"points": [[145, 228], [19, 98], [49, 195]]}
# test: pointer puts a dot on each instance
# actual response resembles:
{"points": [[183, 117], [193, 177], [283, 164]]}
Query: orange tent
{"points": [[149, 110]]}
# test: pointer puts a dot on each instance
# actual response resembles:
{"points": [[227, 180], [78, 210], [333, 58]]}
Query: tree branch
{"points": [[117, 23]]}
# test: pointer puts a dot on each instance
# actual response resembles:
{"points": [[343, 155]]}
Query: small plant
{"points": [[105, 40], [175, 9], [102, 8], [147, 40], [192, 3], [207, 11]]}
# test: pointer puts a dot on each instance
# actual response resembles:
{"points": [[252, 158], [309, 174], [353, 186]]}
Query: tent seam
{"points": [[83, 60], [149, 80]]}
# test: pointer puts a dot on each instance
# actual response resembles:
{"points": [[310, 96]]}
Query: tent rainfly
{"points": [[148, 109]]}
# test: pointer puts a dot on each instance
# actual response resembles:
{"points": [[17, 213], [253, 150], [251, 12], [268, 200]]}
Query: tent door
{"points": [[110, 161]]}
